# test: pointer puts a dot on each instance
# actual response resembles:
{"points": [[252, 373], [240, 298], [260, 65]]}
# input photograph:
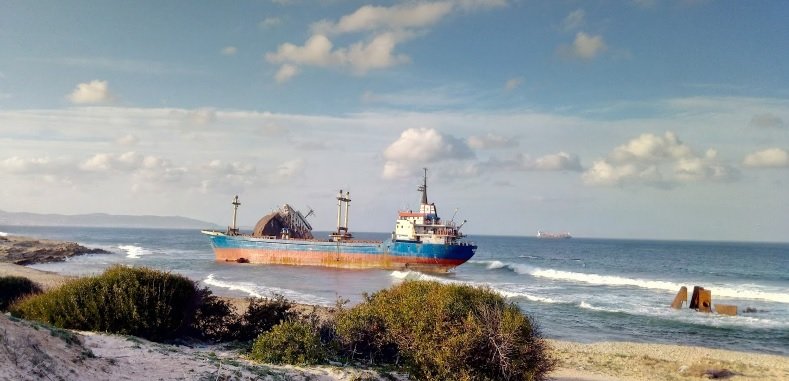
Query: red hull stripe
{"points": [[332, 259]]}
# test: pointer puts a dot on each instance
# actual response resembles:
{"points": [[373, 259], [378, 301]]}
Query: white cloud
{"points": [[229, 50], [270, 22], [93, 92], [20, 165], [766, 120], [202, 116], [561, 161], [417, 147], [397, 17], [377, 53], [658, 161], [588, 47], [383, 29], [127, 140], [513, 83], [491, 141], [286, 72], [574, 20], [317, 50], [768, 158]]}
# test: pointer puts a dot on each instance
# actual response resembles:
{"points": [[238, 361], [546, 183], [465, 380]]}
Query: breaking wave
{"points": [[260, 291], [134, 252], [3, 234], [415, 275], [740, 292]]}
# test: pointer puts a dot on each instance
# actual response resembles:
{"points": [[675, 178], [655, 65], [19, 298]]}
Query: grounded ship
{"points": [[420, 241]]}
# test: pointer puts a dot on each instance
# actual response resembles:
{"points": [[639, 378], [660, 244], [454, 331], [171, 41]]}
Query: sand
{"points": [[38, 354]]}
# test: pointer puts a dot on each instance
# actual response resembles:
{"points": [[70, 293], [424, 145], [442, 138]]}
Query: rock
{"points": [[25, 251]]}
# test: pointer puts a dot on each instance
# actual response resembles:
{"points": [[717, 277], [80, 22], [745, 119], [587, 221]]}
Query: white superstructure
{"points": [[425, 226]]}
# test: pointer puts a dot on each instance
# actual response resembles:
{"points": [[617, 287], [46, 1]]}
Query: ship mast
{"points": [[423, 188], [342, 229], [234, 229]]}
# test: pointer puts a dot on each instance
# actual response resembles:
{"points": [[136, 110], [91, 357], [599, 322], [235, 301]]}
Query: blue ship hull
{"points": [[390, 254]]}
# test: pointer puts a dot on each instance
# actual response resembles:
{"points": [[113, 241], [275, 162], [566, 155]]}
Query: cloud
{"points": [[767, 158], [397, 17], [93, 92], [588, 47], [127, 140], [318, 50], [513, 83], [574, 20], [20, 165], [417, 147], [491, 141], [661, 161], [270, 22], [561, 161], [229, 51], [286, 72], [766, 120], [382, 29]]}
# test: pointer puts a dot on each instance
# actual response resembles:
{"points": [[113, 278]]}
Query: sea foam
{"points": [[134, 252], [748, 291], [260, 291]]}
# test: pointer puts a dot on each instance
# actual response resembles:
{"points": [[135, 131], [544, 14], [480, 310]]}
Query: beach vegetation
{"points": [[261, 316], [13, 288], [142, 302], [443, 331], [290, 342]]}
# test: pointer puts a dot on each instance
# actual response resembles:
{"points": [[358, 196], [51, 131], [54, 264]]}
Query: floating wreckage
{"points": [[701, 301]]}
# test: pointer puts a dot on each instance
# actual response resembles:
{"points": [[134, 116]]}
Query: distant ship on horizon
{"points": [[552, 235]]}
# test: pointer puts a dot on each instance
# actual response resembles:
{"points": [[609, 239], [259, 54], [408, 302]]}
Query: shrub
{"points": [[261, 316], [214, 318], [290, 342], [443, 332], [13, 288], [135, 301]]}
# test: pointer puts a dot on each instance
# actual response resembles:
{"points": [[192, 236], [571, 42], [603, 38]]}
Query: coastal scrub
{"points": [[141, 302], [444, 331], [13, 288]]}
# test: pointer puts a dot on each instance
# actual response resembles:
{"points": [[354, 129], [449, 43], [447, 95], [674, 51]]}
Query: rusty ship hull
{"points": [[393, 255]]}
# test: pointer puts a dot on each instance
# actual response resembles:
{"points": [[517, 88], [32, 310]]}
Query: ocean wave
{"points": [[134, 252], [3, 234], [749, 291], [510, 294], [260, 291]]}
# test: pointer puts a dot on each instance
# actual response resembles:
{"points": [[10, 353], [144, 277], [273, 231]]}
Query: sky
{"points": [[658, 119]]}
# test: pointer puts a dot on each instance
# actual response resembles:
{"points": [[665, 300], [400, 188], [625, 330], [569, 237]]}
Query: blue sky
{"points": [[632, 119]]}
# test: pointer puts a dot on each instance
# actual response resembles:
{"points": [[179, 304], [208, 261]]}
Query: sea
{"points": [[584, 290]]}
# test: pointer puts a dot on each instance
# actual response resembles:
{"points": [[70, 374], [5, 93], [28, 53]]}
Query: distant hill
{"points": [[102, 220]]}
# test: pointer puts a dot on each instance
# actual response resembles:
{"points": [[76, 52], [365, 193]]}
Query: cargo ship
{"points": [[550, 235], [421, 241]]}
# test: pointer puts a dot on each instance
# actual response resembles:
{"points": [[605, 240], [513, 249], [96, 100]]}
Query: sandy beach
{"points": [[120, 357]]}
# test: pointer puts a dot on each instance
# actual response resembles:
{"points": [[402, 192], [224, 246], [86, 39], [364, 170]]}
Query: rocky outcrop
{"points": [[25, 250]]}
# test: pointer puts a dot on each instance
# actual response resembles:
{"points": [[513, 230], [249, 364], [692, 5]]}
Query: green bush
{"points": [[13, 288], [260, 317], [214, 318], [135, 301], [440, 332], [290, 342]]}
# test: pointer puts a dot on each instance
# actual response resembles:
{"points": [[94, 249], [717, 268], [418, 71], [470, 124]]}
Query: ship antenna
{"points": [[423, 188]]}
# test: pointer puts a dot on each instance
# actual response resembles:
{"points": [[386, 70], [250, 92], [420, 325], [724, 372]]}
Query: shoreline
{"points": [[599, 361]]}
